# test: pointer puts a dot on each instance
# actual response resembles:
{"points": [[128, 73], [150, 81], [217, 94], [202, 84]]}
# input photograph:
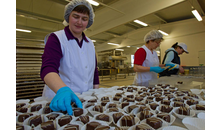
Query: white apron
{"points": [[77, 66], [142, 78]]}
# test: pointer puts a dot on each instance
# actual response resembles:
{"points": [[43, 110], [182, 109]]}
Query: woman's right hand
{"points": [[62, 100]]}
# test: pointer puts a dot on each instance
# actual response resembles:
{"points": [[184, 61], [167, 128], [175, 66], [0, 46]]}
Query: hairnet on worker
{"points": [[74, 3], [65, 79], [153, 35]]}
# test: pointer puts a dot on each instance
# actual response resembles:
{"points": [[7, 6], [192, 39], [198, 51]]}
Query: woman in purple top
{"points": [[69, 61]]}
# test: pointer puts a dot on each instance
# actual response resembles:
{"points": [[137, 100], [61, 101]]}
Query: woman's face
{"points": [[180, 50], [156, 43], [78, 22]]}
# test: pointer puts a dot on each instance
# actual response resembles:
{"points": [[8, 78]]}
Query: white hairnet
{"points": [[74, 3], [154, 34]]}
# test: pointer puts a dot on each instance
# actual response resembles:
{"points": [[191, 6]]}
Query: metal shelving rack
{"points": [[28, 63]]}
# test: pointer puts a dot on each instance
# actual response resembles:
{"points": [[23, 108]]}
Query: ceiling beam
{"points": [[34, 29], [131, 26], [160, 18], [142, 32], [27, 14], [112, 34], [109, 7], [139, 9], [136, 25], [62, 2]]}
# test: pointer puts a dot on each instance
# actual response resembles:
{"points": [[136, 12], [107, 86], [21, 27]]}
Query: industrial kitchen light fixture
{"points": [[140, 22], [197, 15], [93, 2], [119, 49], [23, 30], [164, 33], [90, 1], [128, 46], [93, 40], [112, 44]]}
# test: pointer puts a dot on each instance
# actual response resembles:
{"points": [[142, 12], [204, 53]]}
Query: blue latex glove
{"points": [[62, 100], [172, 66], [156, 69]]}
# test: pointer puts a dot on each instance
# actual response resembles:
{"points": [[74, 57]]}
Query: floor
{"points": [[121, 80]]}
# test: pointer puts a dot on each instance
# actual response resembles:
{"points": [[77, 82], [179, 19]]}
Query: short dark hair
{"points": [[81, 9]]}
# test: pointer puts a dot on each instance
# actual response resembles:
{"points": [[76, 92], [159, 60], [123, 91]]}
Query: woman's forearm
{"points": [[53, 81], [139, 68]]}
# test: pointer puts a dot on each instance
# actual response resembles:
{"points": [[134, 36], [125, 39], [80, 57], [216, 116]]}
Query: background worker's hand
{"points": [[62, 100], [156, 69], [181, 70]]}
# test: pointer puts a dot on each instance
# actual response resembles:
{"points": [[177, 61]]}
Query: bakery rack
{"points": [[28, 63]]}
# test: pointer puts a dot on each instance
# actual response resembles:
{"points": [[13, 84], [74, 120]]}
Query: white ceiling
{"points": [[113, 19]]}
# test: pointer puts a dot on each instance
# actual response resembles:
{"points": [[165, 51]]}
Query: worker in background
{"points": [[146, 62], [69, 61], [172, 57]]}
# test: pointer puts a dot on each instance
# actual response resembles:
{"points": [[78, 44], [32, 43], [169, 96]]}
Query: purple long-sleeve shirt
{"points": [[53, 54]]}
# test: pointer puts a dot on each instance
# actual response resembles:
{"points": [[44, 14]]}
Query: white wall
{"points": [[194, 42]]}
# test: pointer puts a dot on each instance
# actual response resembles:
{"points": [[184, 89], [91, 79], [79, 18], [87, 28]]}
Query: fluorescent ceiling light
{"points": [[196, 14], [21, 15], [93, 40], [164, 33], [112, 44], [138, 47], [90, 1], [119, 49], [128, 46], [140, 22], [93, 2], [23, 30]]}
